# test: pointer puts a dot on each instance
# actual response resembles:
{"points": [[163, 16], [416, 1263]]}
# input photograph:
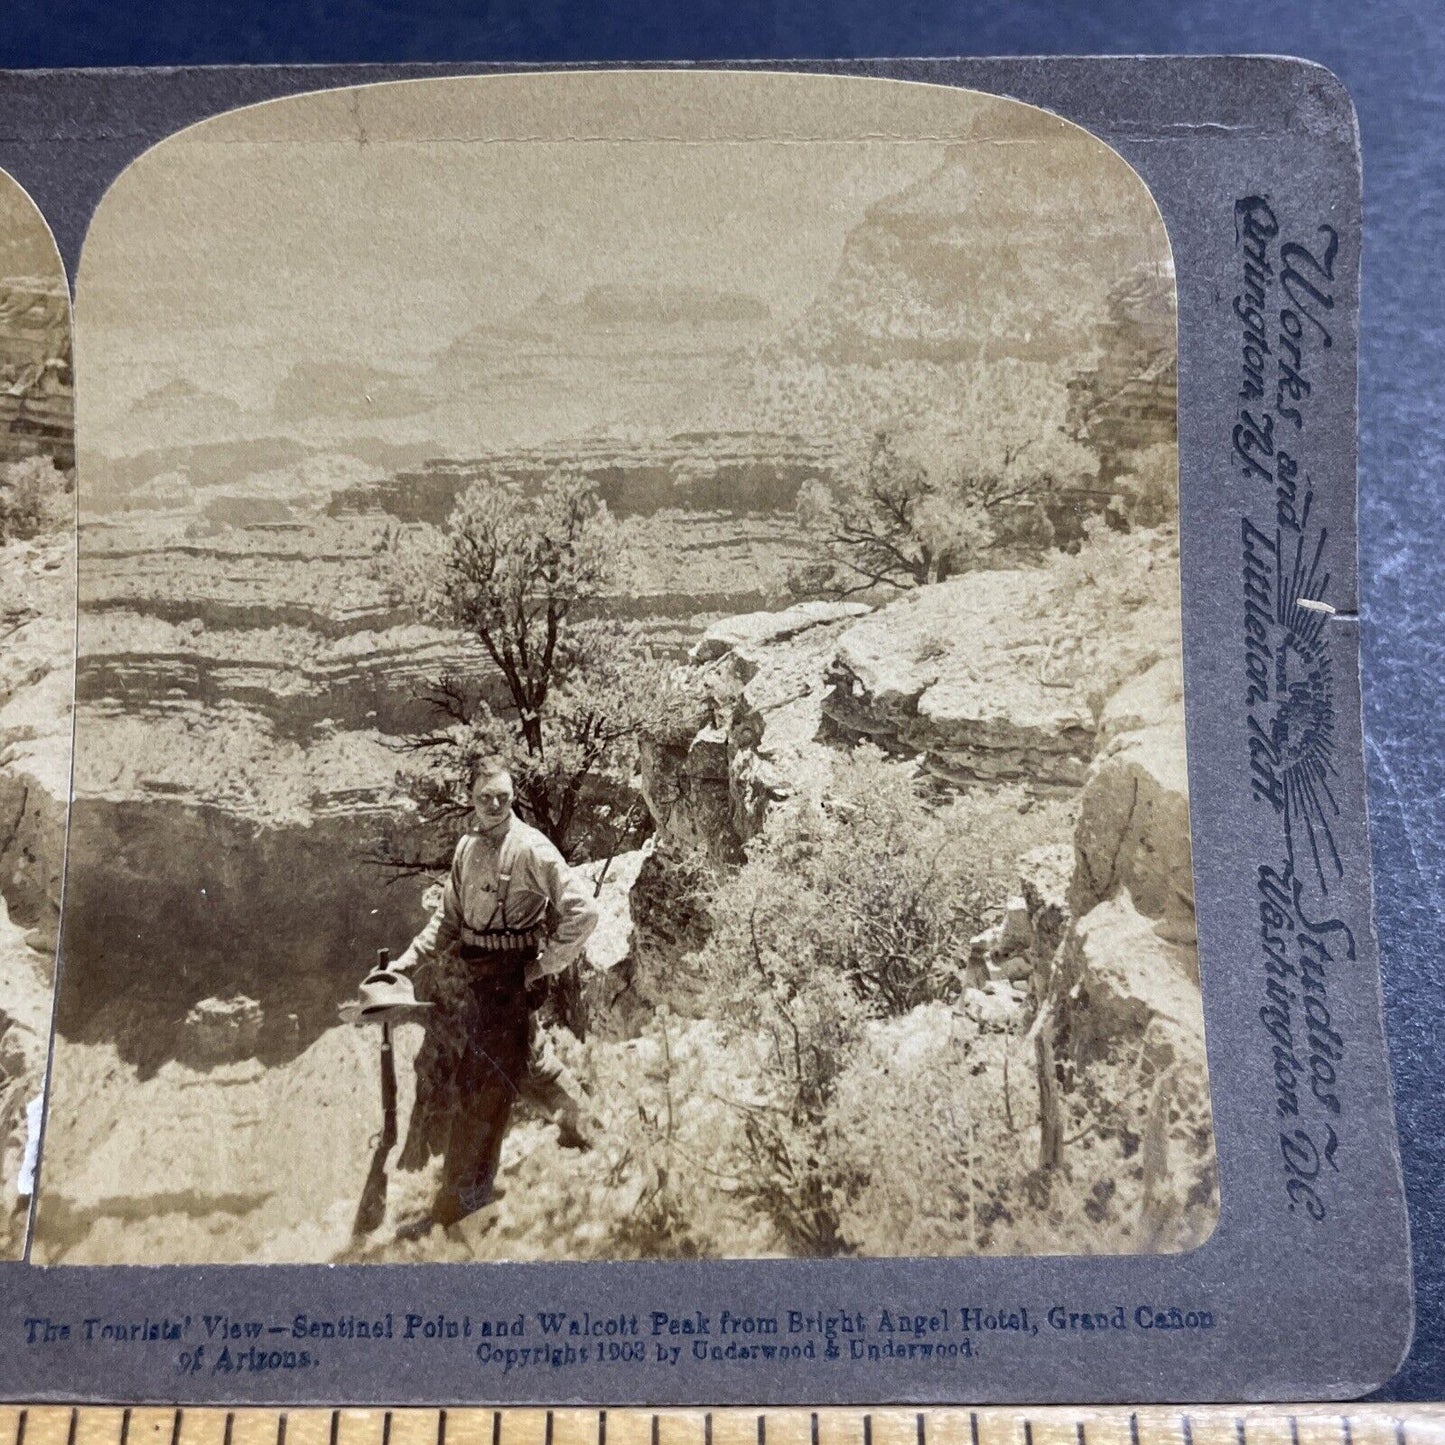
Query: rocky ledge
{"points": [[1065, 680], [748, 735], [37, 619], [996, 676], [37, 580], [1020, 676]]}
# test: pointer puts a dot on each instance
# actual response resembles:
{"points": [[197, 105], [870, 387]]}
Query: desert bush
{"points": [[891, 521], [669, 1100], [933, 1136], [671, 923], [1115, 573], [656, 1182], [864, 885], [1138, 1172], [932, 1128], [847, 912], [1149, 485], [33, 498], [921, 501]]}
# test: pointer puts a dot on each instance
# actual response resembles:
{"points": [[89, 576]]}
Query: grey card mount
{"points": [[790, 632]]}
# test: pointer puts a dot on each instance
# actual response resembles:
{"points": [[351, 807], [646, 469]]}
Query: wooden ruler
{"points": [[998, 1425]]}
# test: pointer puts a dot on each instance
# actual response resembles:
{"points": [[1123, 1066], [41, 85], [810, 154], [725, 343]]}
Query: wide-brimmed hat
{"points": [[383, 995]]}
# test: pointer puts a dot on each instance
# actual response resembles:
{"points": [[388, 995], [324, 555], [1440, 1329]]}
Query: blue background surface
{"points": [[1391, 55]]}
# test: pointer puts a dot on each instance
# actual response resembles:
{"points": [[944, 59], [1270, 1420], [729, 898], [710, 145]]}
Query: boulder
{"points": [[761, 678], [611, 941], [1126, 966], [25, 1008], [34, 788], [219, 1030], [37, 598], [1045, 874], [776, 750], [752, 630], [1016, 967], [608, 1001], [1020, 946], [26, 977], [1016, 933], [1152, 697], [1124, 981], [969, 674], [1133, 829], [688, 797], [995, 1007]]}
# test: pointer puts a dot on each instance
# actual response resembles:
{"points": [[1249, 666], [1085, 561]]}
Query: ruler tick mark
{"points": [[189, 1425]]}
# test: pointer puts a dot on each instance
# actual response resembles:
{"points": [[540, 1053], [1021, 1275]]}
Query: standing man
{"points": [[511, 913]]}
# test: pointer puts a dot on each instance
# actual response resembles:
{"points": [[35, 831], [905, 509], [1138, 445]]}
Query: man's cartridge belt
{"points": [[499, 940]]}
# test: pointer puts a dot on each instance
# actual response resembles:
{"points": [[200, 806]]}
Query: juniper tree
{"points": [[928, 499], [562, 693]]}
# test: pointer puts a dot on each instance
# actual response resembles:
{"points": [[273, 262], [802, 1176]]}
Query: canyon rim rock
{"points": [[1129, 958], [221, 1029], [37, 582], [759, 678]]}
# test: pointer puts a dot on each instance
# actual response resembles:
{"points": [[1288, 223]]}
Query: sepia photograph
{"points": [[628, 692], [37, 626]]}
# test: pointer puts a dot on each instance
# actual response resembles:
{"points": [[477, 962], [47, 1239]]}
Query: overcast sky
{"points": [[383, 222], [26, 247], [378, 223]]}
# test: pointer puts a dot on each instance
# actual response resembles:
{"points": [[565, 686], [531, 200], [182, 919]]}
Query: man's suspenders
{"points": [[497, 932]]}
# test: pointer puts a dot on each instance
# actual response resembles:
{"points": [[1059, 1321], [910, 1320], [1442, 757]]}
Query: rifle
{"points": [[372, 1208]]}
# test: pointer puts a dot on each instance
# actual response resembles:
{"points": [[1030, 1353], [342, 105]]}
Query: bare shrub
{"points": [[1150, 485], [850, 911], [33, 498]]}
